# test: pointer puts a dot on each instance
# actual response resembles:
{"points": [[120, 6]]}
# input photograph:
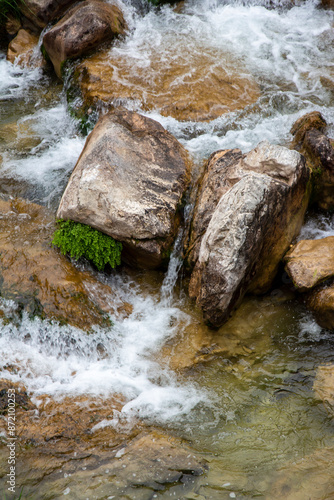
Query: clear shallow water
{"points": [[243, 396]]}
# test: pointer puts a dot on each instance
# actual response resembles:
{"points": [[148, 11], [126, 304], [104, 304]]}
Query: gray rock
{"points": [[258, 215], [128, 183]]}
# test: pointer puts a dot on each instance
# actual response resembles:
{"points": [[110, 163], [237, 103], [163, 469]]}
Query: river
{"points": [[241, 397]]}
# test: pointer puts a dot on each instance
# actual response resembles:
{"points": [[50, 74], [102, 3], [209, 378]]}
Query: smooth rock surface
{"points": [[38, 277], [84, 27], [128, 183], [41, 12], [310, 262], [251, 228], [193, 87], [321, 302], [21, 50]]}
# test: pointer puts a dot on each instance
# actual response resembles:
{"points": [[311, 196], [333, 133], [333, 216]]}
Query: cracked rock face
{"points": [[128, 183], [246, 233]]}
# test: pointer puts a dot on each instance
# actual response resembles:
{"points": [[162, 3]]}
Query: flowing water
{"points": [[242, 397]]}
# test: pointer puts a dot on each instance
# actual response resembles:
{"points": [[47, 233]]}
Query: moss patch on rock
{"points": [[79, 240]]}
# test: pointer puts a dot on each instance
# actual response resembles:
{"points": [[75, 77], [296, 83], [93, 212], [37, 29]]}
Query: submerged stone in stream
{"points": [[324, 386], [38, 277], [192, 87]]}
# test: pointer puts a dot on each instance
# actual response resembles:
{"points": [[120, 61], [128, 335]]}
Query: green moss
{"points": [[44, 53], [79, 240]]}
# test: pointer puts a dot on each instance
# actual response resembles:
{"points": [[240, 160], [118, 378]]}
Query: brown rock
{"points": [[21, 50], [41, 12], [128, 183], [194, 88], [327, 4], [321, 303], [305, 123], [13, 24], [310, 477], [84, 27], [318, 150], [310, 262], [37, 276], [250, 229], [324, 386]]}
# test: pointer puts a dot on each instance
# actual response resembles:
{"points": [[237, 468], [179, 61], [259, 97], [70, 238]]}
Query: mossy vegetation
{"points": [[79, 240]]}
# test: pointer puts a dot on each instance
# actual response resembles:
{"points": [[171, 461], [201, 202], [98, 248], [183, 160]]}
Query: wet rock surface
{"points": [[37, 276], [324, 386], [21, 50], [41, 12], [250, 229], [310, 262], [311, 140], [183, 89], [128, 183], [321, 302], [84, 27]]}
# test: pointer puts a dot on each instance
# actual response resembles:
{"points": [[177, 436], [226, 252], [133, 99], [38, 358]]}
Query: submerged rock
{"points": [[37, 277], [193, 87], [128, 183], [324, 386], [310, 262], [250, 229], [84, 27], [311, 141]]}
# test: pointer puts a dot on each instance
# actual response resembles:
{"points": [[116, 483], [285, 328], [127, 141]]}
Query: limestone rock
{"points": [[21, 50], [310, 262], [128, 183], [318, 150], [38, 277], [321, 302], [84, 27], [193, 87], [41, 12], [259, 213]]}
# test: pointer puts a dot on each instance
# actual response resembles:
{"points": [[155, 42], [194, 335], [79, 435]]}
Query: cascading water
{"points": [[241, 396]]}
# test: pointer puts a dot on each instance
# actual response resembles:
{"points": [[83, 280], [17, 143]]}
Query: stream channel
{"points": [[238, 401]]}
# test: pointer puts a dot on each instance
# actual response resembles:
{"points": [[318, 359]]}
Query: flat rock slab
{"points": [[84, 27], [191, 87], [128, 183], [310, 262], [39, 278], [238, 242]]}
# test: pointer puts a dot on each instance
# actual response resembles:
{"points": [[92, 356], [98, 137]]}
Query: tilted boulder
{"points": [[261, 210], [128, 183], [41, 12], [310, 139], [84, 27], [310, 262]]}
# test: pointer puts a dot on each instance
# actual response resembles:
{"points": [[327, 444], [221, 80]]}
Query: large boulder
{"points": [[310, 139], [261, 210], [41, 12], [310, 262], [191, 87], [84, 27], [128, 183]]}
